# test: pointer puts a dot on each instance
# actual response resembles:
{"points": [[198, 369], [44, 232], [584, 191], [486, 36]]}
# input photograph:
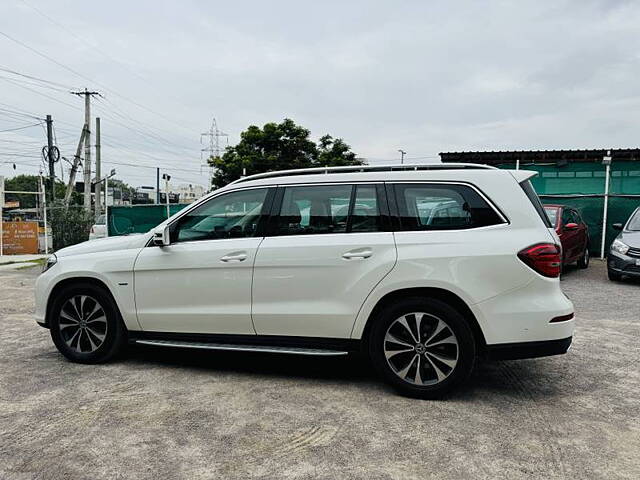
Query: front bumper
{"points": [[623, 264], [514, 351]]}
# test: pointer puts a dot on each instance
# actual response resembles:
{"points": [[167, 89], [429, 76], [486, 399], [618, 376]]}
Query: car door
{"points": [[569, 237], [328, 246], [201, 282], [583, 233]]}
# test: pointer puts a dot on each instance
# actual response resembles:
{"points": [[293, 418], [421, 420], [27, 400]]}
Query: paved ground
{"points": [[169, 414]]}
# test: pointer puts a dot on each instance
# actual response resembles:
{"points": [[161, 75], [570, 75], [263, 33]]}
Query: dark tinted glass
{"points": [[442, 207], [314, 210], [232, 215], [365, 215]]}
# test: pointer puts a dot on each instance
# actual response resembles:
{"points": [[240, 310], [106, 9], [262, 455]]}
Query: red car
{"points": [[573, 233]]}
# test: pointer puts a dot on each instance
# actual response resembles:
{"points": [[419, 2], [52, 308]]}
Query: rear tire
{"points": [[583, 262], [430, 358], [86, 326], [614, 276]]}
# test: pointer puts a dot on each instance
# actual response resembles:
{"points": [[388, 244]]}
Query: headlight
{"points": [[618, 246], [51, 261]]}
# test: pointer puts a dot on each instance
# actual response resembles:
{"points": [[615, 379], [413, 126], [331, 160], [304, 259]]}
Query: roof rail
{"points": [[364, 168]]}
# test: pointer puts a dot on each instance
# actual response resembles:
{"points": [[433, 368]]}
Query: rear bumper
{"points": [[514, 351]]}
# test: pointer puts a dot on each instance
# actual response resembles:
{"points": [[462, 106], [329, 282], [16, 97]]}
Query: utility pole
{"points": [[402, 154], [87, 146], [158, 186], [74, 168], [166, 179], [98, 174], [50, 157]]}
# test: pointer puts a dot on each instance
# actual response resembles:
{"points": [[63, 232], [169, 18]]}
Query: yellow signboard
{"points": [[19, 238]]}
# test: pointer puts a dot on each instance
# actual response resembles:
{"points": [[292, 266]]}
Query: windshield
{"points": [[634, 222], [100, 220], [552, 213]]}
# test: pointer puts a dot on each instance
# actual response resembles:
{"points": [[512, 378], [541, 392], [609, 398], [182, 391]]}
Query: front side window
{"points": [[231, 215], [318, 209], [442, 207]]}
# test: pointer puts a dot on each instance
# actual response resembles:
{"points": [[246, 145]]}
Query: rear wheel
{"points": [[422, 347], [583, 262], [85, 325]]}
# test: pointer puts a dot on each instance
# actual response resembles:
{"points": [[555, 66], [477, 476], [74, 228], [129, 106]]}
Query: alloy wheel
{"points": [[83, 324], [421, 348]]}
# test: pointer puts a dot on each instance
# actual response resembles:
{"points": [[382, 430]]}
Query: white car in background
{"points": [[424, 268], [98, 229]]}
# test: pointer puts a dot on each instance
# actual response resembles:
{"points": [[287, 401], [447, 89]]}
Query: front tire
{"points": [[422, 347], [85, 324]]}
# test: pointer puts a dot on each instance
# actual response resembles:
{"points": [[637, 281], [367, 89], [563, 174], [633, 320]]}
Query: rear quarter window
{"points": [[443, 207]]}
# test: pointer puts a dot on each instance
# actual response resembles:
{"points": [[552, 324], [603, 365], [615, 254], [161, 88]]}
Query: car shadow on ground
{"points": [[524, 378]]}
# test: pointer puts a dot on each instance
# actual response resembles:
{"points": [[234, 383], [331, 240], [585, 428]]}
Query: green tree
{"points": [[28, 183], [275, 147]]}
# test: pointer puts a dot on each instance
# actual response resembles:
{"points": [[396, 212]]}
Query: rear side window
{"points": [[442, 207], [535, 200], [318, 209]]}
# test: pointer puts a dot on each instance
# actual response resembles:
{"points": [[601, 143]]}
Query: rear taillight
{"points": [[544, 258], [92, 230]]}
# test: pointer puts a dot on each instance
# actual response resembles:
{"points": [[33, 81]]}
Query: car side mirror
{"points": [[161, 237], [571, 226], [617, 226]]}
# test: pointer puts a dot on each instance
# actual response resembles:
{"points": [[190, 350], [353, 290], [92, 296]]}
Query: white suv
{"points": [[424, 268]]}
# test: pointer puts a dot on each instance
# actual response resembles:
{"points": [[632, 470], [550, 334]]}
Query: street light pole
{"points": [[402, 154], [606, 161]]}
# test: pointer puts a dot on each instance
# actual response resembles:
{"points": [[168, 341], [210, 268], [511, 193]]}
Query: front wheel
{"points": [[85, 324], [423, 347]]}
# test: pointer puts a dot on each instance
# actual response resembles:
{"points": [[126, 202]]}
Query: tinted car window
{"points": [[318, 209], [365, 216], [232, 215], [634, 222], [314, 210], [442, 207]]}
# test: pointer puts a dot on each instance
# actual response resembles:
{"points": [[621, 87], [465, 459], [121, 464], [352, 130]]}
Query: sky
{"points": [[422, 76]]}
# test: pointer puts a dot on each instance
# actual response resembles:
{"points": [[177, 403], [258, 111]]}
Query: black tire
{"points": [[613, 276], [583, 261], [390, 318], [111, 329]]}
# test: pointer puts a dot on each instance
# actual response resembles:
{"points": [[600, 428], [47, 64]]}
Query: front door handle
{"points": [[234, 257], [360, 253]]}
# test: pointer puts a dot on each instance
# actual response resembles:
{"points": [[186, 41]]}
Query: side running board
{"points": [[241, 348]]}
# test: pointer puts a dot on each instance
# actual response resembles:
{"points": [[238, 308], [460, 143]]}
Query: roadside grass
{"points": [[28, 263]]}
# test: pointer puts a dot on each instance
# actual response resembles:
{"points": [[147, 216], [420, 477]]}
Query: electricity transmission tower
{"points": [[213, 149]]}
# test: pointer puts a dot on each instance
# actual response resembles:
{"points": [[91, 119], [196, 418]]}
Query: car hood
{"points": [[106, 244], [630, 238]]}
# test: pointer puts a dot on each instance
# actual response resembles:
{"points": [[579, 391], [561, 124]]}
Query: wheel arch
{"points": [[80, 281], [442, 294]]}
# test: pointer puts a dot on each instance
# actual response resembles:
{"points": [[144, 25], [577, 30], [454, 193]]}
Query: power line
{"points": [[20, 128]]}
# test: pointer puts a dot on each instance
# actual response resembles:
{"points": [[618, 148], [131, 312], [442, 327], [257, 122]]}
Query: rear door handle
{"points": [[234, 257], [360, 253]]}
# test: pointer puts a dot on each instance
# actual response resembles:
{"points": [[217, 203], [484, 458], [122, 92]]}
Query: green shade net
{"points": [[582, 184], [138, 218]]}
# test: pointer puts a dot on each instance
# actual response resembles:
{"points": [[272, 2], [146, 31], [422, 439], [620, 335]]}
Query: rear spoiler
{"points": [[522, 175]]}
